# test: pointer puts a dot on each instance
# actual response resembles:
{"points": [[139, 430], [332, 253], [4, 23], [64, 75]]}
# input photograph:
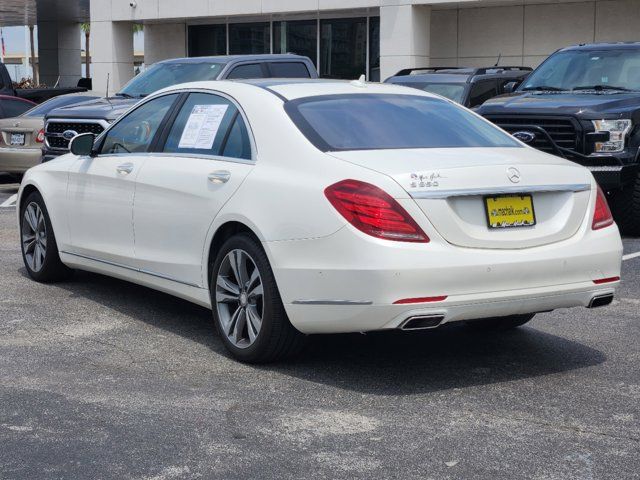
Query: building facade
{"points": [[348, 38]]}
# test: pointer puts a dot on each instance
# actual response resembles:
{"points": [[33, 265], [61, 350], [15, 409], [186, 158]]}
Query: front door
{"points": [[205, 157], [101, 188]]}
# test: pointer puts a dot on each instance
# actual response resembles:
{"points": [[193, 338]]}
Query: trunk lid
{"points": [[450, 187]]}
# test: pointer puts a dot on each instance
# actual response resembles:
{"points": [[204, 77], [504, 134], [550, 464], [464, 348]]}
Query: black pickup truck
{"points": [[583, 104], [37, 95]]}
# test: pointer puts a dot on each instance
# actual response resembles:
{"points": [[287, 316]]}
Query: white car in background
{"points": [[296, 207]]}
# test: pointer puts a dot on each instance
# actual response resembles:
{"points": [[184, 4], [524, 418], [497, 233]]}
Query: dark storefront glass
{"points": [[343, 47], [205, 40], [374, 49], [300, 37], [248, 38]]}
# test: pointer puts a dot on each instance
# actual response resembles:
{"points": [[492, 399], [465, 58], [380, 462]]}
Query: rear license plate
{"points": [[509, 211], [17, 139]]}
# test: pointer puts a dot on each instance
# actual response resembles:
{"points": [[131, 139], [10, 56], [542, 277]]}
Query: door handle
{"points": [[125, 168], [219, 176]]}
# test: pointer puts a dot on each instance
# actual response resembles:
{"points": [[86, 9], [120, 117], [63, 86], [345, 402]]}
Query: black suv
{"points": [[62, 124], [467, 86], [583, 103]]}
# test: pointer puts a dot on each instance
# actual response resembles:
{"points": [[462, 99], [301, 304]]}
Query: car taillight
{"points": [[373, 211], [40, 136], [602, 216]]}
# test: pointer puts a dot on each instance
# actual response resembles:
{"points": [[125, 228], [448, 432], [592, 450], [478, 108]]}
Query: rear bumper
{"points": [[348, 282], [19, 160], [361, 318]]}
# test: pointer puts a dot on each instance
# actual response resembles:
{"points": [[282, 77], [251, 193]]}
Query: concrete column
{"points": [[112, 54], [59, 52], [163, 41], [404, 38]]}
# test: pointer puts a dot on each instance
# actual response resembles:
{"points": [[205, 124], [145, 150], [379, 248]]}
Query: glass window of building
{"points": [[374, 49], [248, 38], [343, 47], [300, 37], [206, 40]]}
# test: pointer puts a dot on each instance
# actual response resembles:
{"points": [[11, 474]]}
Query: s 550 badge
{"points": [[424, 180]]}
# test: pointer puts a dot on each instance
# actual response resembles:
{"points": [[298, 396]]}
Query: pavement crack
{"points": [[557, 426]]}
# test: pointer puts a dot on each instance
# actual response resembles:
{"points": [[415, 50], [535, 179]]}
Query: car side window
{"points": [[289, 70], [209, 124], [251, 70], [238, 144], [135, 132], [482, 91]]}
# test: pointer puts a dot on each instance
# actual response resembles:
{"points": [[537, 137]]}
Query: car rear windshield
{"points": [[163, 75], [390, 121]]}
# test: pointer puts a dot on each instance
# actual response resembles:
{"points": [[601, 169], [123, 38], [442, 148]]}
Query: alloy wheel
{"points": [[34, 236], [239, 298]]}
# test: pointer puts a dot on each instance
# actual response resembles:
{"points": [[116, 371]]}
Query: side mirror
{"points": [[510, 87], [82, 145]]}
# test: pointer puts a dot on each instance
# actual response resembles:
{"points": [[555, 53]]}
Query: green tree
{"points": [[86, 28]]}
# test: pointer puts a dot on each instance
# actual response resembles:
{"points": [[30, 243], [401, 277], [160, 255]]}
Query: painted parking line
{"points": [[630, 256], [9, 202]]}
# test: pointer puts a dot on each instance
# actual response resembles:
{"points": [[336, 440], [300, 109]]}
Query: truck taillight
{"points": [[602, 215], [373, 211], [40, 136]]}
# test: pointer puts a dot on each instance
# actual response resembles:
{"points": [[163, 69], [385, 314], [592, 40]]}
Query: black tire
{"points": [[50, 268], [625, 207], [276, 339], [501, 323], [18, 177]]}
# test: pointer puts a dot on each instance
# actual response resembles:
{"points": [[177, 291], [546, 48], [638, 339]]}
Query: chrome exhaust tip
{"points": [[601, 300], [422, 322]]}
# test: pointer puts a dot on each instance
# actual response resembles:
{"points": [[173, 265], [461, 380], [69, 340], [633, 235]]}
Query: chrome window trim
{"points": [[181, 155], [132, 269], [468, 192]]}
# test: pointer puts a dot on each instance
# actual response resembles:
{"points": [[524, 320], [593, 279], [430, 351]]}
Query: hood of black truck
{"points": [[102, 109], [586, 105]]}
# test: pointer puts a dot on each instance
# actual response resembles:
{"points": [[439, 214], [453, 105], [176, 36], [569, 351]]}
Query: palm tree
{"points": [[86, 28]]}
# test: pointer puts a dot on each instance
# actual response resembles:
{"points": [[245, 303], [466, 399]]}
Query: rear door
{"points": [[205, 154]]}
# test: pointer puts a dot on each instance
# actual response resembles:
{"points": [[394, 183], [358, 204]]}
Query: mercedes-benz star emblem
{"points": [[513, 174]]}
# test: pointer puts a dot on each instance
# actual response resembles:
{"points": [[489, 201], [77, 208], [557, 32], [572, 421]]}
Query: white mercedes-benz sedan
{"points": [[295, 207]]}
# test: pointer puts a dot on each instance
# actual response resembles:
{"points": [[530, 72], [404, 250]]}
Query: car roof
{"points": [[457, 74], [236, 58], [603, 46], [294, 88]]}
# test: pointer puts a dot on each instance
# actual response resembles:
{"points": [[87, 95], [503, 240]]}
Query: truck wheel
{"points": [[625, 207]]}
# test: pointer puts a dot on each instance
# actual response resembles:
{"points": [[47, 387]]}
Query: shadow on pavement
{"points": [[381, 363]]}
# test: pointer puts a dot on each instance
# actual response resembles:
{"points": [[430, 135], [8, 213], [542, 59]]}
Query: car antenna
{"points": [[107, 92], [360, 82], [498, 61]]}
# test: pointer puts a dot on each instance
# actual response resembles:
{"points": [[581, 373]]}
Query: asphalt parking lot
{"points": [[102, 379]]}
